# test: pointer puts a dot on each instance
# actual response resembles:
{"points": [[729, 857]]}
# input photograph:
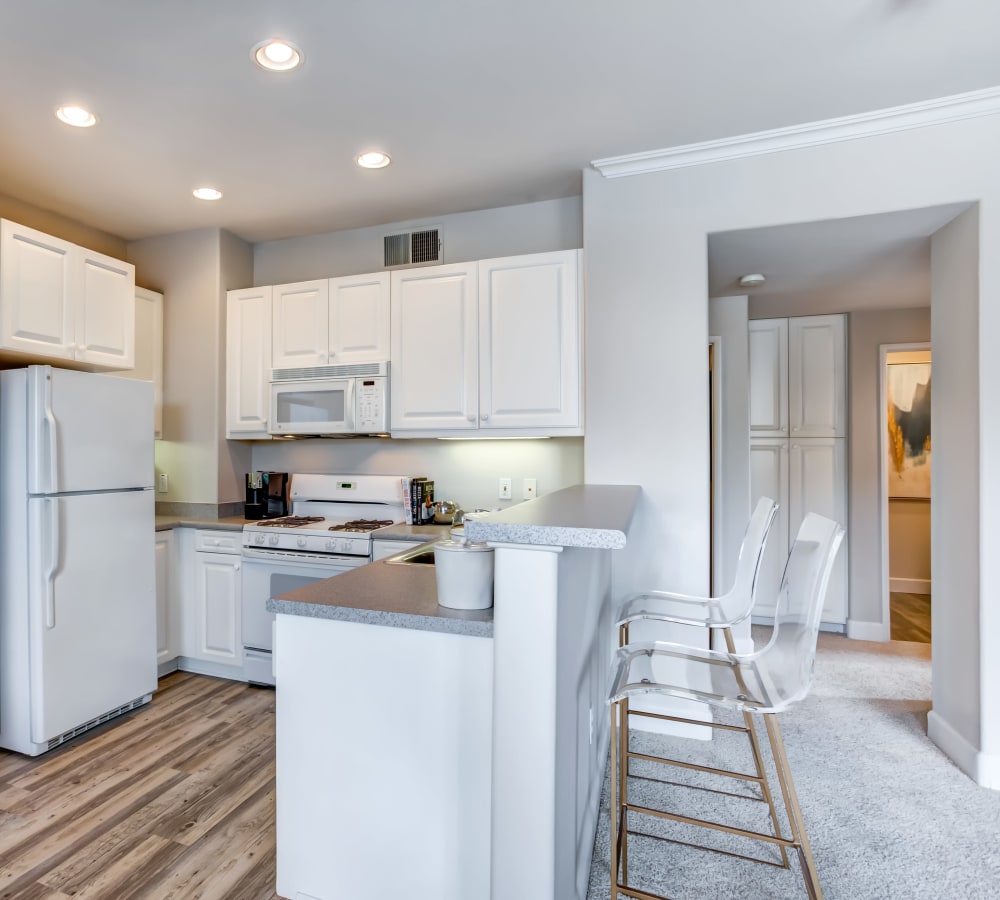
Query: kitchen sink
{"points": [[421, 555]]}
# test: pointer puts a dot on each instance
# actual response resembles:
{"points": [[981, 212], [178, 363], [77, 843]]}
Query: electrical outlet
{"points": [[530, 488], [162, 483], [505, 489]]}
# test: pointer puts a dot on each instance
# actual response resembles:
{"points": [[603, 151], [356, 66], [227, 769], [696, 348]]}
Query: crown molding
{"points": [[829, 131]]}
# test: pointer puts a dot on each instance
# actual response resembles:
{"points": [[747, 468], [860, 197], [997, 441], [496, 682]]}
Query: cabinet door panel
{"points": [[36, 315], [166, 647], [529, 343], [248, 362], [769, 478], [359, 319], [817, 384], [300, 317], [217, 608], [818, 483], [105, 324], [434, 381], [768, 377]]}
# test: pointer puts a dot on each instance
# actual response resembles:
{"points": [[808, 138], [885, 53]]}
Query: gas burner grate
{"points": [[362, 525], [290, 521]]}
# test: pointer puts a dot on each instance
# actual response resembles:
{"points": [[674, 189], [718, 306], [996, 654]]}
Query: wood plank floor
{"points": [[174, 802], [910, 617]]}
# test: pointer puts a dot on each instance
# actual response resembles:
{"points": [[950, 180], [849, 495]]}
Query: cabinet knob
{"points": [[471, 417], [485, 417], [796, 428]]}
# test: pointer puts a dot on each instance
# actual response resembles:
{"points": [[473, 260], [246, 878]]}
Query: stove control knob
{"points": [[345, 546], [331, 545], [258, 538], [273, 540], [301, 542]]}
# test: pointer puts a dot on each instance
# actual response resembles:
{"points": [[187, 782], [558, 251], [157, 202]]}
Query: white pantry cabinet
{"points": [[492, 347], [62, 302], [149, 349], [335, 321], [248, 362], [798, 430]]}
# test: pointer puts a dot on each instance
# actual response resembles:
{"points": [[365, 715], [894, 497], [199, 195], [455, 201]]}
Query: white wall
{"points": [[727, 318], [506, 231], [463, 471], [958, 493], [645, 243]]}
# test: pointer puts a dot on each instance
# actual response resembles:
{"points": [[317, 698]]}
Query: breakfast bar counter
{"points": [[471, 744]]}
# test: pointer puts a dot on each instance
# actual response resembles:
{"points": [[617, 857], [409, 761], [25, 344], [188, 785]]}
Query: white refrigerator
{"points": [[77, 564]]}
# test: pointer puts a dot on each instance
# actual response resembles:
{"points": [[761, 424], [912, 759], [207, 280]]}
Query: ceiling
{"points": [[481, 104]]}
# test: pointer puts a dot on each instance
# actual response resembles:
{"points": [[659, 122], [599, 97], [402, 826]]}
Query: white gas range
{"points": [[328, 532]]}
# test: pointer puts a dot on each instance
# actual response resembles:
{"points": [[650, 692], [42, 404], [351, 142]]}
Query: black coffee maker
{"points": [[266, 495]]}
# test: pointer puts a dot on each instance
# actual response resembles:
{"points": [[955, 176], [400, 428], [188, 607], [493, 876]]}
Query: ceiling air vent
{"points": [[413, 248]]}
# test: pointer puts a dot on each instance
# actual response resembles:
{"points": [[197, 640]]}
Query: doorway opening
{"points": [[905, 463]]}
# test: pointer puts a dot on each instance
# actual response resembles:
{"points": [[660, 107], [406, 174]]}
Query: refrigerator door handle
{"points": [[52, 445], [53, 562]]}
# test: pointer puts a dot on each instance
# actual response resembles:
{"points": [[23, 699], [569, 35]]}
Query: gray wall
{"points": [[506, 231], [62, 227], [866, 332]]}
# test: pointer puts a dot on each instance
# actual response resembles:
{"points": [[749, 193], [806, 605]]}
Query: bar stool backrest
{"points": [[737, 602], [785, 664]]}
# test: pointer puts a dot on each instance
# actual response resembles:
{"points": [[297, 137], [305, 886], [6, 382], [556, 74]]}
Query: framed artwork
{"points": [[908, 394]]}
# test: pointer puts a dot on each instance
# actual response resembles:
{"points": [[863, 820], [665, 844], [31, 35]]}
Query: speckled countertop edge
{"points": [[227, 523]]}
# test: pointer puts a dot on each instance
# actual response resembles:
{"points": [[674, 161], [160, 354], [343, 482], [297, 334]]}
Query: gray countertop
{"points": [[585, 515], [417, 533], [225, 523], [382, 593]]}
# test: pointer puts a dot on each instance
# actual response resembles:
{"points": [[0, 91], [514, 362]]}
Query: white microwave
{"points": [[330, 400]]}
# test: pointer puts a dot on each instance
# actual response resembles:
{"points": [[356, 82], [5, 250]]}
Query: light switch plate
{"points": [[505, 489], [162, 483]]}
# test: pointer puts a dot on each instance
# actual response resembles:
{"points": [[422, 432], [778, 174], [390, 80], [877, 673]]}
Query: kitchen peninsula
{"points": [[445, 753]]}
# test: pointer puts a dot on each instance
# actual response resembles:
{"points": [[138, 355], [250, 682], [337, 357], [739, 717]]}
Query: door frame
{"points": [[883, 472], [717, 496]]}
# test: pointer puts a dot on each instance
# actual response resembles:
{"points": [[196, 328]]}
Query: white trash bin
{"points": [[464, 574]]}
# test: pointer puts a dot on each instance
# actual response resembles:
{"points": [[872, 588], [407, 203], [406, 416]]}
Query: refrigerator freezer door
{"points": [[88, 432], [92, 607]]}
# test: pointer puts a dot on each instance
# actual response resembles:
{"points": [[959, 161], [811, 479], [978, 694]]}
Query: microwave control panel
{"points": [[370, 414]]}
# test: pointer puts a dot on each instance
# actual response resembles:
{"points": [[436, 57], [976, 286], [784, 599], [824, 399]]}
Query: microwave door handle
{"points": [[349, 405]]}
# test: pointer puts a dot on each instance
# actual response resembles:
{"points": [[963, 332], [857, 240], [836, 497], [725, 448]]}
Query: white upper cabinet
{"points": [[817, 383], [59, 301], [493, 346], [300, 322], [529, 341], [149, 349], [768, 377], [248, 362], [359, 319], [434, 372]]}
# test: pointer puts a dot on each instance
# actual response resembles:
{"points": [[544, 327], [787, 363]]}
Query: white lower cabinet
{"points": [[806, 475], [166, 607], [209, 566]]}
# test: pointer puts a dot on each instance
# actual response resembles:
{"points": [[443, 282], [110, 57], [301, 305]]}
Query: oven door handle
{"points": [[291, 558]]}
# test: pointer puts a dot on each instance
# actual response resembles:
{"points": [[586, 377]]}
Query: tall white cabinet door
{"points": [[37, 314], [149, 350], [217, 609], [300, 322], [768, 377], [434, 383], [529, 341], [359, 319], [248, 362], [818, 483], [105, 305], [769, 478], [817, 381], [166, 624]]}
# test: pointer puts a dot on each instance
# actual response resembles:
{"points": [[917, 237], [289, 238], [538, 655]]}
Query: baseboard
{"points": [[910, 585], [867, 631], [165, 668], [218, 670], [982, 768]]}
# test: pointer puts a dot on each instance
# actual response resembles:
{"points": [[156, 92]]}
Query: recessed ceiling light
{"points": [[755, 280], [76, 115], [373, 159], [277, 55], [207, 193]]}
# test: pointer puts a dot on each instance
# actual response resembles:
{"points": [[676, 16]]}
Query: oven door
{"points": [[270, 574], [319, 406]]}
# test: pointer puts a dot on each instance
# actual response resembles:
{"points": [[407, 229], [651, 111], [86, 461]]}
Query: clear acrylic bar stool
{"points": [[720, 612], [764, 682]]}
